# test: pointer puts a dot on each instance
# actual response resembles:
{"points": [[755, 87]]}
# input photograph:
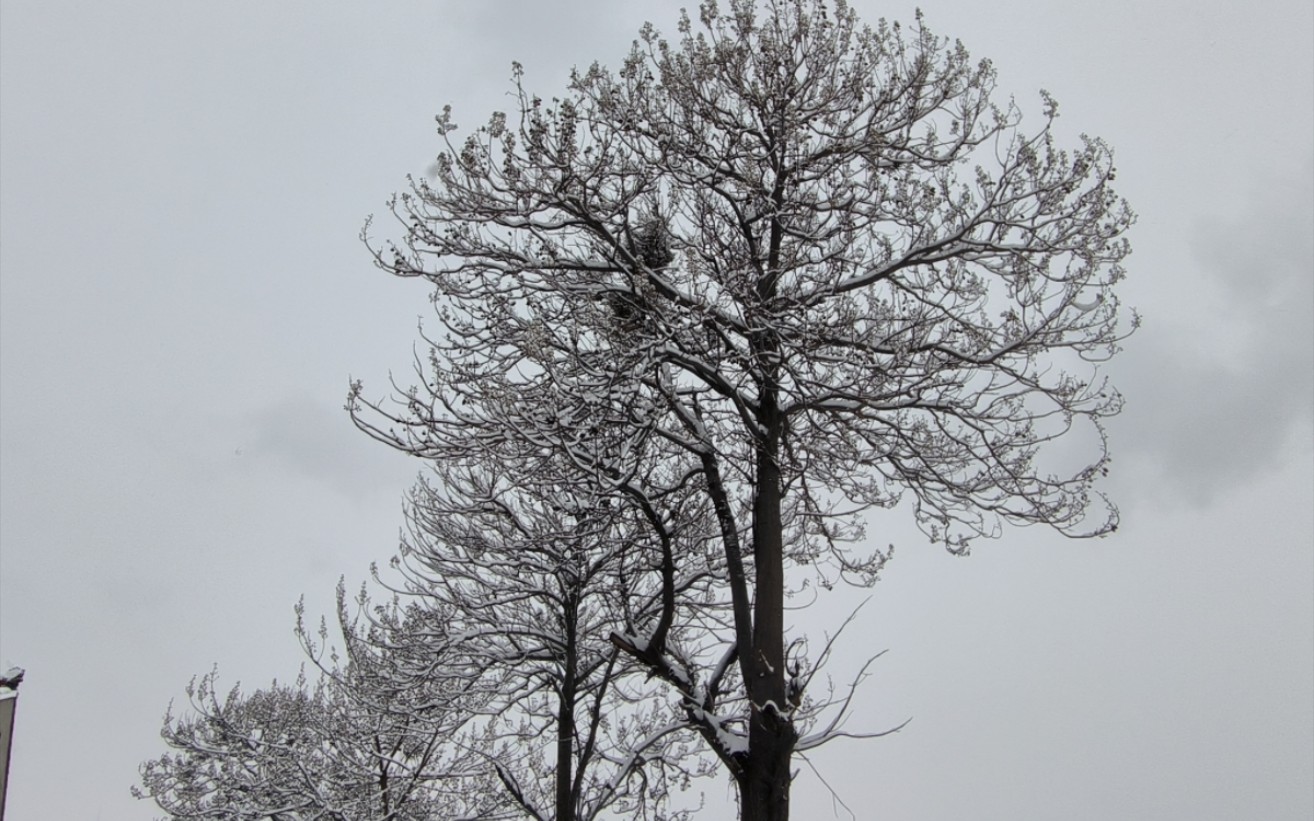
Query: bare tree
{"points": [[319, 752], [492, 692], [799, 267], [527, 576]]}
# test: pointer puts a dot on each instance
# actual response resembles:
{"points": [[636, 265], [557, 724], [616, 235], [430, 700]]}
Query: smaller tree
{"points": [[529, 580], [487, 687], [309, 752]]}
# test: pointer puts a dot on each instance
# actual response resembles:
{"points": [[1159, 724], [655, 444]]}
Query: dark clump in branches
{"points": [[650, 246]]}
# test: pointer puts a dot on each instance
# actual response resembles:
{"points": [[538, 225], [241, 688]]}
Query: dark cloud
{"points": [[314, 441], [1220, 384]]}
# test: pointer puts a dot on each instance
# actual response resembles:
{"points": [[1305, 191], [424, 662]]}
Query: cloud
{"points": [[1220, 383], [301, 435]]}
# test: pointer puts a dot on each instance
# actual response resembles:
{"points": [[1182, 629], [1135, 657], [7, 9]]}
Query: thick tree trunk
{"points": [[764, 784]]}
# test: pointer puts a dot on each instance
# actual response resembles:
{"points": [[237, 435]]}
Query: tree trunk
{"points": [[565, 799], [764, 785]]}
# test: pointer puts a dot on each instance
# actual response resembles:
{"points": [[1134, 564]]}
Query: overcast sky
{"points": [[183, 299]]}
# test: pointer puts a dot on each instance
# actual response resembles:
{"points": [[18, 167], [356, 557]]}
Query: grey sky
{"points": [[183, 299]]}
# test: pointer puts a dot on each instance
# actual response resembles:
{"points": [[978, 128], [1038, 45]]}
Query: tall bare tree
{"points": [[798, 266]]}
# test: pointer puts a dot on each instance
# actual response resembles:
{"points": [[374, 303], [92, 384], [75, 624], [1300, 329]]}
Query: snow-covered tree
{"points": [[526, 577], [487, 687], [797, 265], [336, 749]]}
